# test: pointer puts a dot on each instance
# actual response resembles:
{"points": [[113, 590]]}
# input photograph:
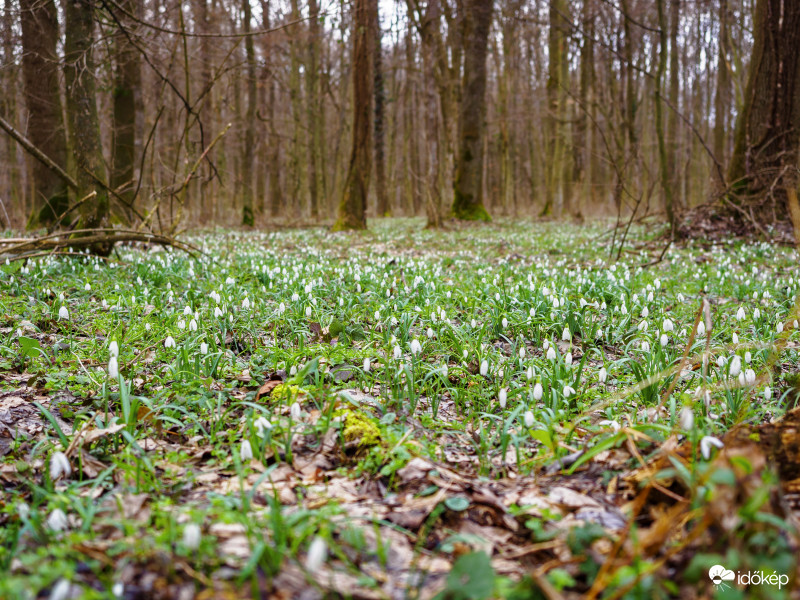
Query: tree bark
{"points": [[767, 138], [79, 74], [43, 99], [353, 205], [381, 191], [314, 111], [468, 185], [248, 149]]}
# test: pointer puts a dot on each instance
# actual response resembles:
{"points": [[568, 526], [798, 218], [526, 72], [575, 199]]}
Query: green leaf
{"points": [[31, 347], [472, 577], [457, 503]]}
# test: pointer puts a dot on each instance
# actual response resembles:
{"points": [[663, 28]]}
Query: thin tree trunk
{"points": [[314, 115], [248, 149], [43, 99], [381, 191]]}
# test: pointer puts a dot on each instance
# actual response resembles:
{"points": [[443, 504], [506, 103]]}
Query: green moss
{"points": [[285, 391], [470, 212], [358, 426]]}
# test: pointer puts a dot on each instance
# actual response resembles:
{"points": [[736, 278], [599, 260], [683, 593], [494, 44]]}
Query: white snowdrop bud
{"points": [[203, 348], [187, 310], [566, 335], [293, 370], [191, 536], [750, 376], [779, 327], [664, 340], [529, 373], [230, 281], [668, 325], [551, 353], [646, 346], [261, 424], [701, 328], [603, 375], [721, 361], [59, 466], [528, 419], [57, 521], [246, 451], [757, 313], [169, 342], [473, 323], [62, 590], [245, 303], [740, 314], [445, 371], [645, 312], [113, 348], [568, 359], [397, 352], [735, 338], [768, 393], [706, 443], [465, 354], [686, 418], [366, 365], [741, 378], [503, 397], [113, 367], [295, 411], [538, 391], [642, 326], [568, 391], [657, 283], [147, 326], [484, 367], [429, 333], [748, 357], [736, 366], [181, 324], [63, 313], [218, 312], [192, 325], [505, 322], [118, 589], [317, 554], [282, 308], [681, 297], [308, 311], [521, 352]]}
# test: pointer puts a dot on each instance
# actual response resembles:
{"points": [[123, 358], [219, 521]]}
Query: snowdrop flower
{"points": [[246, 451], [63, 313], [566, 335], [735, 338], [642, 326], [568, 391], [218, 312], [261, 424], [203, 348], [768, 393], [113, 367], [317, 553], [646, 346], [169, 342], [230, 281], [429, 333], [57, 521], [538, 391], [779, 327], [181, 324], [750, 376], [528, 418], [282, 308], [706, 443], [551, 353], [113, 348], [748, 357], [245, 303], [521, 352], [568, 359], [473, 323], [147, 326], [187, 310], [503, 397], [614, 425], [59, 466], [24, 510], [645, 312], [740, 314], [736, 366], [293, 370], [701, 328], [445, 371], [686, 418], [397, 352], [529, 373], [192, 325], [668, 325], [603, 375], [62, 590], [721, 361], [664, 340], [118, 589], [756, 314], [366, 365], [191, 536], [465, 354], [681, 297], [484, 367], [295, 412]]}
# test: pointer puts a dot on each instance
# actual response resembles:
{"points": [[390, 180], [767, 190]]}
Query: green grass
{"points": [[449, 322]]}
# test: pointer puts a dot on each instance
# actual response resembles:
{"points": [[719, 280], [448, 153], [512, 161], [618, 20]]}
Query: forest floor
{"points": [[490, 411]]}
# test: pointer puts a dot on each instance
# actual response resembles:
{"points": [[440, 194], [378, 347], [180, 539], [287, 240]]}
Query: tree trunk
{"points": [[468, 185], [126, 110], [722, 97], [381, 191], [666, 175], [248, 149], [314, 114], [767, 139], [43, 99], [79, 74], [353, 206]]}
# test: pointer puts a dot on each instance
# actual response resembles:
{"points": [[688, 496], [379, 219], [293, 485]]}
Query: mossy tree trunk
{"points": [[43, 99], [79, 74], [352, 212], [381, 191], [763, 168], [468, 185]]}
